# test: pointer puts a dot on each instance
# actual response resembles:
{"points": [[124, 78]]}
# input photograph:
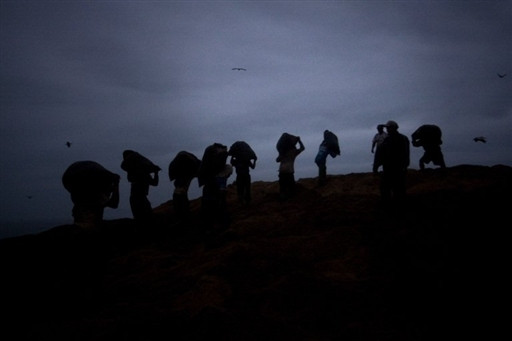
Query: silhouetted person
{"points": [[329, 146], [376, 142], [142, 173], [286, 146], [92, 188], [243, 158], [394, 155], [213, 174], [182, 169], [428, 136]]}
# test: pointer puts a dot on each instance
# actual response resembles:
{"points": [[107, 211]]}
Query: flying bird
{"points": [[68, 144], [501, 75], [480, 139], [239, 69], [29, 197]]}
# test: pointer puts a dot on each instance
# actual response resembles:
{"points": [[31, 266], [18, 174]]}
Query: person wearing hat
{"points": [[394, 155]]}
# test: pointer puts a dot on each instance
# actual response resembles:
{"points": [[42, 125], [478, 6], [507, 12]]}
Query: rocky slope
{"points": [[333, 263]]}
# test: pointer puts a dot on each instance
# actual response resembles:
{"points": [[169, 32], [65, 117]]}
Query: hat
{"points": [[391, 124]]}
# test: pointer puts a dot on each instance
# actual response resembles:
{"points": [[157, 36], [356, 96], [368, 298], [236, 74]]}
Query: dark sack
{"points": [[183, 165], [427, 134], [331, 142], [286, 142], [88, 176], [136, 163], [242, 150], [214, 161]]}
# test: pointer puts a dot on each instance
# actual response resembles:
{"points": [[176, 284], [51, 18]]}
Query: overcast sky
{"points": [[156, 77]]}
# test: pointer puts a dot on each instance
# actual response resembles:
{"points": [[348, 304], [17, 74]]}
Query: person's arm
{"points": [[301, 147], [154, 180]]}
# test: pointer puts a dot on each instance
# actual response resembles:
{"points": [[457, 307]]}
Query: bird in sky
{"points": [[68, 144], [29, 197], [480, 139], [239, 69], [501, 75]]}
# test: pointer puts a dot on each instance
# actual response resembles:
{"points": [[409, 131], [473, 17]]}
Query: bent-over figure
{"points": [[92, 188], [329, 146], [182, 170], [288, 152], [428, 136], [142, 173], [213, 175], [243, 158]]}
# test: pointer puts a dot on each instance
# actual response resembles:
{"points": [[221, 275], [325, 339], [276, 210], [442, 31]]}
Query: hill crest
{"points": [[331, 263]]}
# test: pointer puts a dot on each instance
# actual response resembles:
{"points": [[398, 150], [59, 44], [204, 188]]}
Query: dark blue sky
{"points": [[156, 77]]}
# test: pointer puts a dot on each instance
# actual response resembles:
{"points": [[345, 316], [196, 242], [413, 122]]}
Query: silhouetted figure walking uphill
{"points": [[394, 156], [243, 158], [142, 173], [429, 136], [286, 147], [92, 188], [182, 169], [329, 146], [213, 175]]}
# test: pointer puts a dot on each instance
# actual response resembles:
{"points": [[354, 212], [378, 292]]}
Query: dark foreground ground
{"points": [[333, 263]]}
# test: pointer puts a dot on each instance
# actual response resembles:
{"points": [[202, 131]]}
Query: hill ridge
{"points": [[331, 263]]}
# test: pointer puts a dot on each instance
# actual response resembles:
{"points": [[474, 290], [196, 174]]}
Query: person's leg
{"points": [[209, 202], [141, 207], [240, 190], [375, 166], [180, 201], [286, 185], [181, 186], [385, 186], [321, 160], [282, 185], [322, 174], [247, 189], [438, 158], [291, 184], [441, 161], [423, 160]]}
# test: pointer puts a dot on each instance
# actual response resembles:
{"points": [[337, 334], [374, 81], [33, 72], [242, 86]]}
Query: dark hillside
{"points": [[333, 263]]}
